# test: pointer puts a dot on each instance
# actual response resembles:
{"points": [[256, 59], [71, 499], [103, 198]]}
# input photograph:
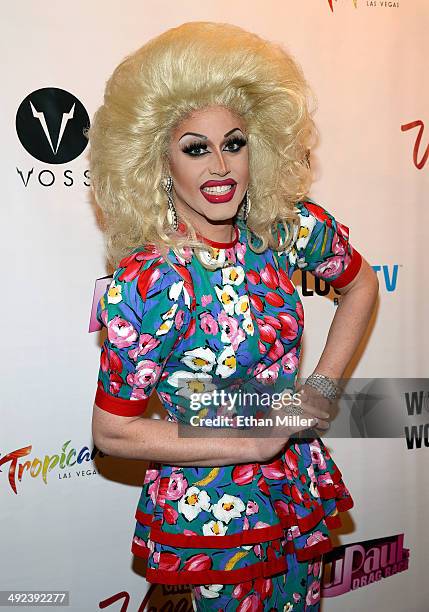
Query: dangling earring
{"points": [[167, 183], [246, 207]]}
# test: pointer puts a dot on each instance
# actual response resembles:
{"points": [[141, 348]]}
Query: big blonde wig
{"points": [[187, 68]]}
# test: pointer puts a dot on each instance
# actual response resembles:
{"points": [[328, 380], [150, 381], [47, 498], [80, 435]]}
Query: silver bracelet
{"points": [[324, 384]]}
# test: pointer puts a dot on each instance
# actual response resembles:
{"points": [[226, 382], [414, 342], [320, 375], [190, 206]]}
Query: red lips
{"points": [[216, 183]]}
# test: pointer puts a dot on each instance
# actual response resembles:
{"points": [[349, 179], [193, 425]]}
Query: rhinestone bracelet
{"points": [[324, 384]]}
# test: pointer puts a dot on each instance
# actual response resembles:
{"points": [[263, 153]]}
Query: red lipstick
{"points": [[221, 196]]}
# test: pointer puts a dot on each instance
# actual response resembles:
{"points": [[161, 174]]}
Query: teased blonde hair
{"points": [[187, 68]]}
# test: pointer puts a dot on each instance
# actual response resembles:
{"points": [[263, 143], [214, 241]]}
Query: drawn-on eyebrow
{"points": [[205, 137]]}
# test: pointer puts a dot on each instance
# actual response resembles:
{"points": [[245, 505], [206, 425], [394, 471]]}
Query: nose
{"points": [[219, 165]]}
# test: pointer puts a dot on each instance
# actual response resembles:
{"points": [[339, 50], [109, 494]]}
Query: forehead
{"points": [[212, 121]]}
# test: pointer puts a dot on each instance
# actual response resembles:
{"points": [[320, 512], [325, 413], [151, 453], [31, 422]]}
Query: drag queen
{"points": [[199, 161]]}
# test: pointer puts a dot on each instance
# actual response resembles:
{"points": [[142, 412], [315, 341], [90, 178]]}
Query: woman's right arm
{"points": [[158, 440]]}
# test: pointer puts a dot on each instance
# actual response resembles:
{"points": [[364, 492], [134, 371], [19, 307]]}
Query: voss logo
{"points": [[51, 124]]}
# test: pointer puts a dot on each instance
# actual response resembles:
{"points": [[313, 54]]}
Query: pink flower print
{"points": [[208, 323], [267, 375], [178, 319], [296, 597], [324, 479], [240, 250], [317, 457], [316, 569], [121, 333], [146, 344], [330, 267], [153, 489], [146, 374], [290, 361], [251, 507], [338, 245], [316, 537], [177, 486], [150, 475], [257, 550], [231, 332], [313, 593], [206, 299]]}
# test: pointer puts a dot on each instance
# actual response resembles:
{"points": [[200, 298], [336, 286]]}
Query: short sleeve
{"points": [[322, 246], [146, 312]]}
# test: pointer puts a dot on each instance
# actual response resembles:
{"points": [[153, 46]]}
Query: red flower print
{"points": [[243, 474], [251, 603], [257, 303], [276, 351], [115, 383], [241, 589], [263, 487], [285, 282], [253, 277], [318, 212], [147, 279], [170, 514], [197, 563], [169, 561], [274, 470], [274, 299], [263, 586], [289, 326], [269, 276], [133, 263], [268, 334], [273, 321]]}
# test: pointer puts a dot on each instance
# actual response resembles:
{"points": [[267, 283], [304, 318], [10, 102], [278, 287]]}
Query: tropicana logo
{"points": [[332, 7]]}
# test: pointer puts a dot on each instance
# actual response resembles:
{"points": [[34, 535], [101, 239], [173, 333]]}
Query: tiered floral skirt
{"points": [[229, 524]]}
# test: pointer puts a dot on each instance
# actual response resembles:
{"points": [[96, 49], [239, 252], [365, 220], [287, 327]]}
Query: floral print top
{"points": [[184, 329]]}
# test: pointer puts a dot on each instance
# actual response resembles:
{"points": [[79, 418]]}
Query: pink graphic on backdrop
{"points": [[101, 285], [347, 568]]}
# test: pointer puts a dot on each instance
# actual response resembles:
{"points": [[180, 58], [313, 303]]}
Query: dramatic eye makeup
{"points": [[235, 144]]}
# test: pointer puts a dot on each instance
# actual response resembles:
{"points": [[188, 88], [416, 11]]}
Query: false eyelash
{"points": [[239, 140]]}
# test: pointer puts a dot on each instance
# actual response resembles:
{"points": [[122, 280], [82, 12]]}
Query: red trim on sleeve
{"points": [[119, 405], [349, 273]]}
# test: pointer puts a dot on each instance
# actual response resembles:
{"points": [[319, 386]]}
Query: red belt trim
{"points": [[263, 569]]}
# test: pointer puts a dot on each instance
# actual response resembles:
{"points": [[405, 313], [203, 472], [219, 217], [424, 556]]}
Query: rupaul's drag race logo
{"points": [[18, 462], [352, 566]]}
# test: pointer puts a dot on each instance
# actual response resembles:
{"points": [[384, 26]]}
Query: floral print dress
{"points": [[182, 328]]}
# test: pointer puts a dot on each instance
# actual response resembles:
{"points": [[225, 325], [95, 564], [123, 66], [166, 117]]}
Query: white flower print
{"points": [[233, 275], [201, 359], [227, 297], [164, 327], [193, 502], [214, 528], [114, 294], [248, 326], [307, 224], [228, 507], [242, 306], [227, 362], [170, 313], [176, 289], [190, 383], [210, 591]]}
